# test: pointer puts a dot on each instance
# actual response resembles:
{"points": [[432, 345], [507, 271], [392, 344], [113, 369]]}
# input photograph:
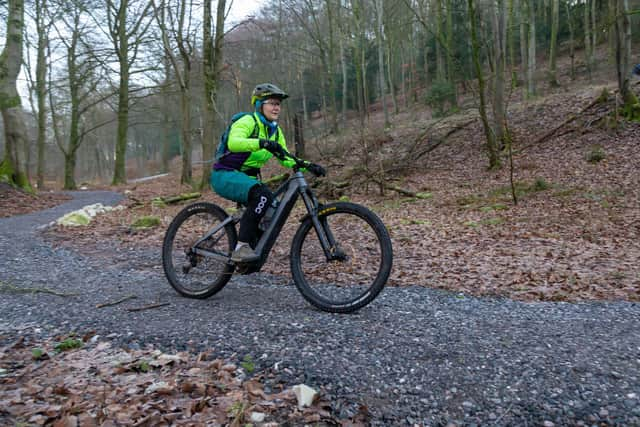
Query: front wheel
{"points": [[197, 267], [360, 261]]}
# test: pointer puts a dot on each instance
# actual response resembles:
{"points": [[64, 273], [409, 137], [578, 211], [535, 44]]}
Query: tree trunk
{"points": [[511, 43], [588, 50], [381, 85], [212, 53], [440, 61], [499, 116], [623, 60], [41, 90], [331, 66], [185, 106], [611, 31], [345, 82], [119, 173], [449, 54], [524, 66], [572, 42], [489, 136], [359, 55], [390, 79], [74, 95], [531, 69], [15, 131], [298, 138], [553, 49], [166, 126]]}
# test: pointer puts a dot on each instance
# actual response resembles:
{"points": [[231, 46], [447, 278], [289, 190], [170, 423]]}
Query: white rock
{"points": [[75, 218], [161, 385], [304, 394], [257, 417]]}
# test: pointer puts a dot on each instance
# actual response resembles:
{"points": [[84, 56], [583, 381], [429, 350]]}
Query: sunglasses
{"points": [[274, 103]]}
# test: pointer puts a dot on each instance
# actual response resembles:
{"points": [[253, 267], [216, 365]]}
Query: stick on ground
{"points": [[147, 307], [109, 304]]}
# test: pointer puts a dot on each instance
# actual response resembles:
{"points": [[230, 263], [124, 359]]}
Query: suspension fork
{"points": [[327, 240]]}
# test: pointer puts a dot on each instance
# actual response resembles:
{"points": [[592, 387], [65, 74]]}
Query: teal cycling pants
{"points": [[232, 185]]}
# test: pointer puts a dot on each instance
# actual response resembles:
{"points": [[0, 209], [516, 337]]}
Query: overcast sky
{"points": [[239, 10], [242, 8]]}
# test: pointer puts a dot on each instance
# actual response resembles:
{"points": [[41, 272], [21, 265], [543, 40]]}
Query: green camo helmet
{"points": [[267, 90]]}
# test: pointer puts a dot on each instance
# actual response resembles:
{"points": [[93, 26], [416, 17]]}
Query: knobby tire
{"points": [[348, 284], [197, 276]]}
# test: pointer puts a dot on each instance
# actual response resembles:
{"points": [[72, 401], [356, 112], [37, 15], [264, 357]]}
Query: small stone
{"points": [[257, 417], [304, 394], [548, 424], [161, 387]]}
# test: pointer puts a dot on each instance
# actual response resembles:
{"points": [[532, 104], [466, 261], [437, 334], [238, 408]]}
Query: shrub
{"points": [[596, 154], [146, 222], [540, 184], [440, 93]]}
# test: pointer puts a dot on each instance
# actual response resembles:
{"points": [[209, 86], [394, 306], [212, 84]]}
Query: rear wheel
{"points": [[360, 263], [198, 270]]}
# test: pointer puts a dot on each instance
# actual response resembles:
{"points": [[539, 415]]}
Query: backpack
{"points": [[222, 149]]}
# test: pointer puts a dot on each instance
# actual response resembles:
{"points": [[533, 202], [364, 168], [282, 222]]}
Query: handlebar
{"points": [[300, 164]]}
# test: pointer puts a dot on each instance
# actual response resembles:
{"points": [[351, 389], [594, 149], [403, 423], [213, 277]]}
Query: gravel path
{"points": [[414, 356]]}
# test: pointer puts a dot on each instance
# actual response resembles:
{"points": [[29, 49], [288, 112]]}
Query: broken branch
{"points": [[10, 288], [147, 307], [121, 300]]}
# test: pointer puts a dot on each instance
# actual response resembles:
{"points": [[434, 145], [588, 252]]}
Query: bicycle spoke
{"points": [[198, 271], [360, 265]]}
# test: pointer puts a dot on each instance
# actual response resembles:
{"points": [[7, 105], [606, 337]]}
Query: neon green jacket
{"points": [[245, 151]]}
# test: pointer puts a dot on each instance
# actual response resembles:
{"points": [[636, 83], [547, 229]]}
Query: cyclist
{"points": [[253, 139]]}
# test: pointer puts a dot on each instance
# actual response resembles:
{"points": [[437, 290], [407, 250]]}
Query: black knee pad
{"points": [[260, 198]]}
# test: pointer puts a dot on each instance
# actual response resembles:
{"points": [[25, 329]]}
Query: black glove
{"points": [[272, 147], [316, 169]]}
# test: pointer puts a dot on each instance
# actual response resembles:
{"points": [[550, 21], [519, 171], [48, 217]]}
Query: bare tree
{"points": [[623, 59], [321, 33], [79, 86], [381, 80], [128, 21], [41, 90], [15, 131], [212, 70], [588, 40], [531, 60], [490, 131], [553, 43], [37, 84], [179, 25]]}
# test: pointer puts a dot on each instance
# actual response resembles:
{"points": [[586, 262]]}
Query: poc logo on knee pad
{"points": [[260, 207]]}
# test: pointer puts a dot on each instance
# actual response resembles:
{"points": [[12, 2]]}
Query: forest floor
{"points": [[572, 235]]}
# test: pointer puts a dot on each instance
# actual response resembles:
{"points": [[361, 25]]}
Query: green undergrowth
{"points": [[146, 222], [500, 198]]}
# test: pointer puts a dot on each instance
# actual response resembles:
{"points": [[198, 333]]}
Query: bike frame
{"points": [[287, 195]]}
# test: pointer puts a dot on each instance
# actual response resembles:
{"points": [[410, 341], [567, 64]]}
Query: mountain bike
{"points": [[340, 256]]}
